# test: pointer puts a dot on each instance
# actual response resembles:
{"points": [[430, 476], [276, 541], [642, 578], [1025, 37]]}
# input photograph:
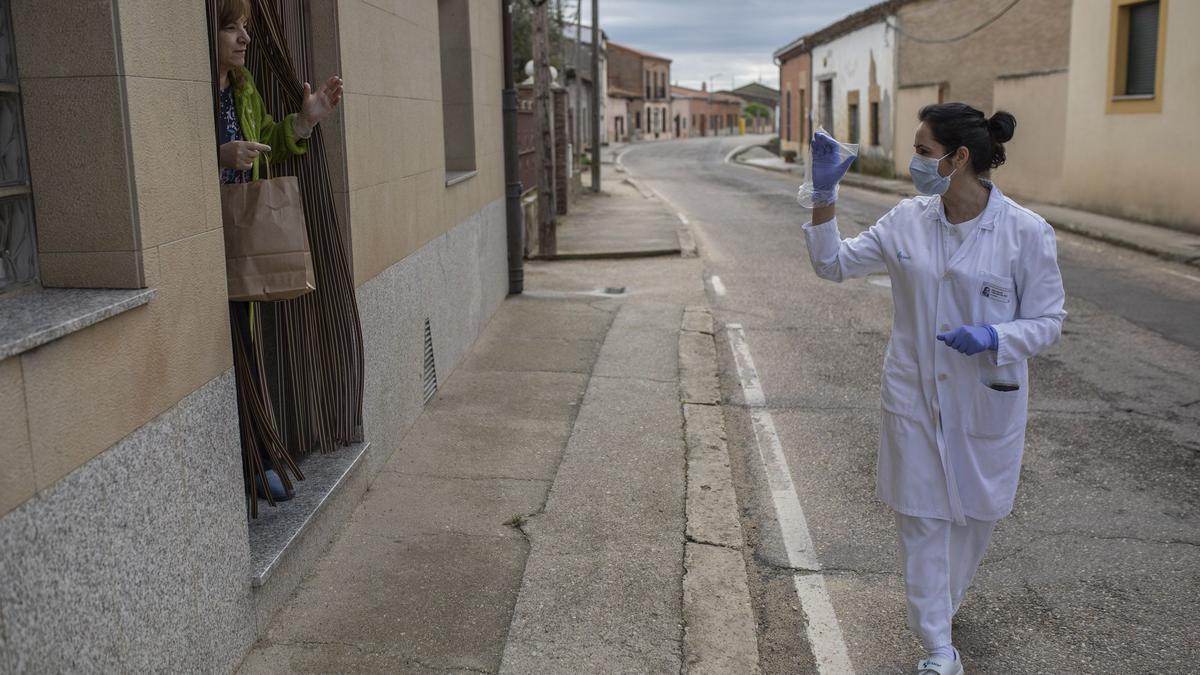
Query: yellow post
{"points": [[741, 126]]}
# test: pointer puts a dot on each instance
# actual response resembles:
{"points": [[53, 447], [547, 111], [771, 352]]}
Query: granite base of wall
{"points": [[456, 281], [137, 560]]}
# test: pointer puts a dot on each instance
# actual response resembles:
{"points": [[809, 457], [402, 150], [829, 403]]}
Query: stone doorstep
{"points": [[281, 534]]}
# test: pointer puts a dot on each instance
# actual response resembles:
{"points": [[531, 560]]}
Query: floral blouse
{"points": [[230, 129]]}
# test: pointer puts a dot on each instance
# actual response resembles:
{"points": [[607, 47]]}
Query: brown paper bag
{"points": [[266, 241]]}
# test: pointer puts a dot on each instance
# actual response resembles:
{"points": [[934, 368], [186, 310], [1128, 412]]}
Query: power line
{"points": [[969, 33]]}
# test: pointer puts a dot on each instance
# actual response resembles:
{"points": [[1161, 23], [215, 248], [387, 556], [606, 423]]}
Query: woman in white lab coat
{"points": [[977, 292]]}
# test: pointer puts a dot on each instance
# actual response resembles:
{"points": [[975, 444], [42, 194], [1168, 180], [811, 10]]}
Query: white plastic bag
{"points": [[807, 196]]}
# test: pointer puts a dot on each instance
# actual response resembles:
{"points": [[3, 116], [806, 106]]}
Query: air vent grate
{"points": [[430, 374]]}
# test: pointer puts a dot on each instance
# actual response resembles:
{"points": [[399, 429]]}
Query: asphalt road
{"points": [[1098, 568]]}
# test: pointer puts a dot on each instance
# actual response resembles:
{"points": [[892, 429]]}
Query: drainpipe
{"points": [[512, 175]]}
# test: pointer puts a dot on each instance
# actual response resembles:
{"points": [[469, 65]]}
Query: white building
{"points": [[854, 84]]}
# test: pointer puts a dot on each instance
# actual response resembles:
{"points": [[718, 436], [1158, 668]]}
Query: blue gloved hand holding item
{"points": [[971, 340], [829, 163]]}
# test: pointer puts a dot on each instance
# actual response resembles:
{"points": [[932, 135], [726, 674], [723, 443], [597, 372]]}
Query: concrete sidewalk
{"points": [[624, 220], [563, 505], [1163, 242]]}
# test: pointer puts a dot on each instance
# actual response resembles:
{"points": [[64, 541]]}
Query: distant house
{"points": [[699, 112], [759, 93], [795, 79], [842, 78], [578, 74], [646, 76]]}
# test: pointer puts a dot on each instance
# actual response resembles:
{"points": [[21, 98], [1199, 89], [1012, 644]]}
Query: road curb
{"points": [[719, 626]]}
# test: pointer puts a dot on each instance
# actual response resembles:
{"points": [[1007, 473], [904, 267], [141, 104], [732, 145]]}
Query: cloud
{"points": [[706, 37]]}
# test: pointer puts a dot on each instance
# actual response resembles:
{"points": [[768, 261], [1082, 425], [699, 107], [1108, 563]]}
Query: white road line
{"points": [[682, 218], [718, 287], [822, 627], [824, 633], [1180, 274]]}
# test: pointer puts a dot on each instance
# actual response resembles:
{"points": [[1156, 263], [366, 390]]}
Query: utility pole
{"points": [[512, 170], [547, 206], [595, 95], [579, 122]]}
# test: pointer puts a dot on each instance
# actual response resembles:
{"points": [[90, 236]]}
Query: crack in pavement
{"points": [[1089, 535], [836, 571], [692, 540]]}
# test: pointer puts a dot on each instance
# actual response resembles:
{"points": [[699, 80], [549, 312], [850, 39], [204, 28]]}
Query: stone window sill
{"points": [[32, 318], [456, 177]]}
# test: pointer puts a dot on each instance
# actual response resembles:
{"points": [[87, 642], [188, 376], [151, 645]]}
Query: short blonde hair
{"points": [[230, 11]]}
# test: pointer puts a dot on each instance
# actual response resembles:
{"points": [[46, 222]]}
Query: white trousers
{"points": [[940, 559]]}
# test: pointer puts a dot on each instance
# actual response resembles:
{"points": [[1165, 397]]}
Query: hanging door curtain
{"points": [[300, 379]]}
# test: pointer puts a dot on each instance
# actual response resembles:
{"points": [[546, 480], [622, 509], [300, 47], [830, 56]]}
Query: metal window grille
{"points": [[430, 367], [18, 251], [1142, 57]]}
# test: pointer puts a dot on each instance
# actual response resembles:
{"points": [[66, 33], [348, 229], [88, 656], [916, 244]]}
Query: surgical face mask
{"points": [[924, 172]]}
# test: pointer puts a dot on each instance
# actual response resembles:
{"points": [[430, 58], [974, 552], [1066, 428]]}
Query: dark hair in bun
{"points": [[955, 125]]}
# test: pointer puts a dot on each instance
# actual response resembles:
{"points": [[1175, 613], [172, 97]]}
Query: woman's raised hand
{"points": [[318, 104], [240, 154], [829, 162]]}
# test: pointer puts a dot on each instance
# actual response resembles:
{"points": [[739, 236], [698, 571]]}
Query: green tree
{"points": [[756, 111], [522, 21]]}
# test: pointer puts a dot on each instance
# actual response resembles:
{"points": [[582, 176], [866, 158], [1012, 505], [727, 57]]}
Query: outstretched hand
{"points": [[318, 104], [829, 164]]}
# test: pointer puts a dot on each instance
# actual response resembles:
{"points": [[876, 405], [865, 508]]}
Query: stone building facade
{"points": [[124, 539]]}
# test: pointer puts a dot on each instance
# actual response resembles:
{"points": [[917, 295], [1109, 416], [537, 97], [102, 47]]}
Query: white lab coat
{"points": [[1005, 274]]}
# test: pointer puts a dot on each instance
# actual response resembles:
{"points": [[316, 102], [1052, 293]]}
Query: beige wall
{"points": [[909, 101], [398, 200], [1031, 36], [118, 105], [1137, 165], [1034, 166]]}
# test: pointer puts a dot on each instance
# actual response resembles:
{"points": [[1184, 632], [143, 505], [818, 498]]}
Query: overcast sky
{"points": [[704, 37]]}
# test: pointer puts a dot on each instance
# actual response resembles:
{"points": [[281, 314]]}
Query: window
{"points": [[18, 252], [787, 106], [637, 119], [874, 122], [800, 116], [458, 105], [1136, 44], [852, 116], [827, 104]]}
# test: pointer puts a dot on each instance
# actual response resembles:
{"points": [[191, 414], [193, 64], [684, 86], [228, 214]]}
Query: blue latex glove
{"points": [[828, 164], [971, 340]]}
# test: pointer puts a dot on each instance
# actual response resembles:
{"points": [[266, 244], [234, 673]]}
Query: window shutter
{"points": [[1143, 49]]}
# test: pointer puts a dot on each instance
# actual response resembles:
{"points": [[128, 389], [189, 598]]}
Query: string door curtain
{"points": [[300, 380]]}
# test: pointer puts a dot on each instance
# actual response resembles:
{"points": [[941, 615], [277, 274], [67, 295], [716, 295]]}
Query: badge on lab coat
{"points": [[997, 293]]}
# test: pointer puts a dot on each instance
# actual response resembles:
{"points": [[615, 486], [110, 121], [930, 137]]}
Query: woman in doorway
{"points": [[977, 292], [248, 136]]}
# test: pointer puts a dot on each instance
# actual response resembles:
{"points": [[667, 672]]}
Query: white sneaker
{"points": [[939, 665]]}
